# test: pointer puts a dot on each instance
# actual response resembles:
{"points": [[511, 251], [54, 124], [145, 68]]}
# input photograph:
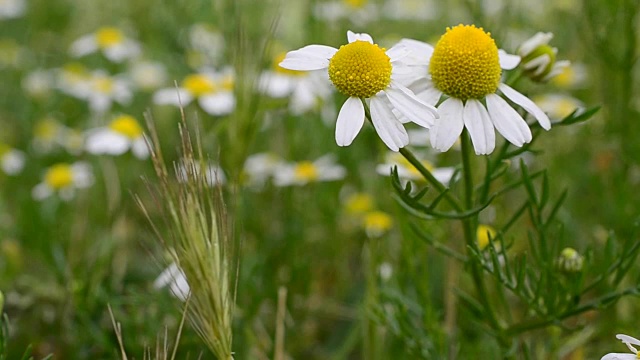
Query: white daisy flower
{"points": [[38, 83], [73, 79], [147, 75], [105, 89], [177, 281], [110, 41], [10, 9], [258, 168], [539, 59], [408, 172], [362, 70], [410, 10], [11, 160], [304, 172], [63, 179], [558, 106], [358, 12], [629, 341], [466, 66], [213, 90], [124, 133], [48, 134], [573, 76], [304, 87]]}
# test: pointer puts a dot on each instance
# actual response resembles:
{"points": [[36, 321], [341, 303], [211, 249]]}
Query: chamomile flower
{"points": [[466, 66], [105, 89], [147, 75], [73, 79], [362, 70], [39, 83], [11, 160], [409, 172], [258, 168], [213, 90], [376, 223], [304, 172], [573, 76], [123, 133], [175, 278], [10, 9], [110, 41], [63, 179], [629, 341], [539, 59], [558, 106], [304, 88], [358, 12], [49, 134]]}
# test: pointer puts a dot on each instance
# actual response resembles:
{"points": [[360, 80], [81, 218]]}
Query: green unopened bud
{"points": [[570, 261], [539, 59]]}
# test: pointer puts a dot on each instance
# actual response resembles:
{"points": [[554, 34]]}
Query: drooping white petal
{"points": [[448, 128], [350, 121], [275, 85], [618, 356], [105, 141], [478, 123], [351, 36], [387, 125], [218, 104], [84, 46], [508, 61], [538, 65], [426, 91], [310, 57], [397, 52], [507, 121], [526, 104], [535, 41], [628, 340], [172, 96], [420, 52], [410, 106]]}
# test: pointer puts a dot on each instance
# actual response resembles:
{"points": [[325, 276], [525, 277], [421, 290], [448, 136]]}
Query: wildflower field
{"points": [[319, 179]]}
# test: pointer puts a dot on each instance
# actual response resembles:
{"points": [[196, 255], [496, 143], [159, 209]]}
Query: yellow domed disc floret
{"points": [[59, 176], [465, 63], [360, 69], [127, 126]]}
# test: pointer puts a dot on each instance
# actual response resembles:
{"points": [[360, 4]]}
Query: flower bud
{"points": [[539, 59], [570, 261]]}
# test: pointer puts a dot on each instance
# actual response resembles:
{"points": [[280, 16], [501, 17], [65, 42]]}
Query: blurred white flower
{"points": [[629, 341], [573, 76], [39, 83], [385, 270], [408, 172], [359, 12], [11, 160], [123, 133], [305, 88], [63, 179], [410, 10], [213, 90], [213, 172], [49, 134], [177, 281], [258, 168], [10, 9], [558, 106], [110, 41], [304, 172], [73, 79], [206, 46], [105, 89], [147, 75]]}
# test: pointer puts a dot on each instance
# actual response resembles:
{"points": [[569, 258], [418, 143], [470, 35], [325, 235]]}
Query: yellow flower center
{"points": [[465, 63], [109, 36], [46, 129], [198, 84], [566, 78], [359, 204], [356, 3], [278, 59], [228, 82], [127, 126], [59, 176], [306, 171], [377, 222], [360, 69], [483, 233], [103, 84]]}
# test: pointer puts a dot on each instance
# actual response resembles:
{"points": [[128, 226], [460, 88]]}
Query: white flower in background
{"points": [[558, 106], [206, 46], [385, 270], [177, 281], [110, 41], [305, 88], [49, 134], [258, 168], [147, 75], [213, 91], [573, 76], [105, 89], [10, 9], [304, 172], [629, 341], [539, 59], [73, 79], [409, 172], [63, 179], [39, 83], [123, 133], [410, 10], [362, 70], [213, 173], [466, 66], [11, 160], [358, 12]]}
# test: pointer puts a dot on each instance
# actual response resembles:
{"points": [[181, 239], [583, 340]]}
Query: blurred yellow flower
{"points": [[485, 234]]}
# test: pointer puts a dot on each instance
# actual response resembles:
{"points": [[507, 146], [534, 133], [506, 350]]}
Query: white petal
{"points": [[508, 61], [41, 191], [275, 85], [448, 128], [387, 125], [526, 104], [172, 96], [444, 174], [397, 52], [478, 123], [351, 36], [535, 41], [426, 91], [83, 46], [140, 149], [410, 106], [310, 57], [105, 141], [539, 63], [618, 356], [420, 52], [350, 121], [507, 121], [218, 104], [628, 340], [119, 52], [302, 99]]}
